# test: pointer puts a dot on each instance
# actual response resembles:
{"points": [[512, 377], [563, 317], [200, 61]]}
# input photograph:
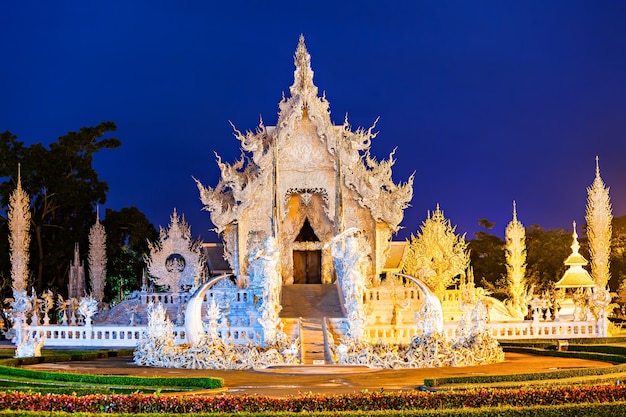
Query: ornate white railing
{"points": [[547, 330], [502, 331], [115, 336], [89, 336]]}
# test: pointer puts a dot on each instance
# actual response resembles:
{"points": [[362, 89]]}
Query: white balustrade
{"points": [[501, 331], [114, 336]]}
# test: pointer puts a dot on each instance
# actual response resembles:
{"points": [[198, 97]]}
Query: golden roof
{"points": [[576, 276]]}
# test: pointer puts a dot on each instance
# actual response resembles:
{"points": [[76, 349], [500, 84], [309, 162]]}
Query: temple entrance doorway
{"points": [[307, 257], [307, 266], [316, 300]]}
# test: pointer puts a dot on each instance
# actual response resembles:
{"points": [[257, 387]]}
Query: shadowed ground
{"points": [[285, 381]]}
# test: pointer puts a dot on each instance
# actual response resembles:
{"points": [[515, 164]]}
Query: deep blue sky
{"points": [[487, 101]]}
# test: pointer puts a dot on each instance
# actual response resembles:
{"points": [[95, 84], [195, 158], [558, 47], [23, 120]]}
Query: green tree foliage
{"points": [[488, 260], [546, 249], [64, 189], [618, 255], [128, 232]]}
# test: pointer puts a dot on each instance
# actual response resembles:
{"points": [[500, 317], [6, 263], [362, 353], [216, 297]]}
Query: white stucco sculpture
{"points": [[176, 261], [265, 267], [350, 264]]}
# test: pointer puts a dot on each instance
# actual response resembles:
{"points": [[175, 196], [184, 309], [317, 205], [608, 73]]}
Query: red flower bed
{"points": [[138, 403]]}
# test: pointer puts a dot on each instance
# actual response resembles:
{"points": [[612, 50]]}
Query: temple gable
{"points": [[305, 172]]}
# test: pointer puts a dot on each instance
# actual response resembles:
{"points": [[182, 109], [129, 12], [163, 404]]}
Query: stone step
{"points": [[311, 301], [312, 341]]}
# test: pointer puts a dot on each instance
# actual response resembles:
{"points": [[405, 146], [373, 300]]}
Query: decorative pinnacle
{"points": [[597, 166], [514, 211], [575, 245], [303, 74]]}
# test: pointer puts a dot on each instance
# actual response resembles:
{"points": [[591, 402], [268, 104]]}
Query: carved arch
{"points": [[296, 212]]}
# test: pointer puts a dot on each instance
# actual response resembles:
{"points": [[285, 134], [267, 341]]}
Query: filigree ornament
{"points": [[176, 262], [157, 348], [599, 229], [473, 345], [18, 216], [305, 156]]}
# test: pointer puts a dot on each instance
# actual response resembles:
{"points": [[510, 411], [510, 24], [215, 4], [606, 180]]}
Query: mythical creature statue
{"points": [[265, 267], [349, 264], [88, 307]]}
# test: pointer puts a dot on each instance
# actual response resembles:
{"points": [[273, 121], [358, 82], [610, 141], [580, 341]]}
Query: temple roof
{"points": [[576, 276]]}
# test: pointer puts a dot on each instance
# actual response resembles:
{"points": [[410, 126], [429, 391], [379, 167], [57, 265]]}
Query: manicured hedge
{"points": [[10, 367], [119, 380], [580, 354], [537, 376]]}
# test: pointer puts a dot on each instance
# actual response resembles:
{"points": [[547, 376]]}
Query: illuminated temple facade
{"points": [[304, 181]]}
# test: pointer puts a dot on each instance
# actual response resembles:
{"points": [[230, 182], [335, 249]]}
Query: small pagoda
{"points": [[575, 285]]}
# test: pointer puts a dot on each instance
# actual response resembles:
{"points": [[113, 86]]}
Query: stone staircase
{"points": [[312, 303], [312, 341]]}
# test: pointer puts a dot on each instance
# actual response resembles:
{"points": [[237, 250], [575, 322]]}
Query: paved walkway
{"points": [[331, 379]]}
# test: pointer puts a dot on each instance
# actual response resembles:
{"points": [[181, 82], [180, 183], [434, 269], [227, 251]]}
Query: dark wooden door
{"points": [[307, 266]]}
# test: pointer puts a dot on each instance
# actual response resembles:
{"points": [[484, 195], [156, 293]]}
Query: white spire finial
{"points": [[575, 245], [597, 166], [514, 211], [303, 75], [97, 213]]}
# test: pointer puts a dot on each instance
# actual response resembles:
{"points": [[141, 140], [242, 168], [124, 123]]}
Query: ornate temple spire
{"points": [[303, 74], [575, 245], [515, 255], [575, 276], [97, 258], [599, 219], [18, 217]]}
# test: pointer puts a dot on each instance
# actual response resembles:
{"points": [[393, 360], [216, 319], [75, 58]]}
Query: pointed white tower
{"points": [[97, 258], [76, 284], [599, 218], [19, 235], [515, 253]]}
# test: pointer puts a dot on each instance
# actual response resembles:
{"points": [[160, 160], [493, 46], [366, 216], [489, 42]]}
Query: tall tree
{"points": [[599, 221], [437, 255], [618, 255], [64, 189], [128, 234], [487, 258], [546, 249]]}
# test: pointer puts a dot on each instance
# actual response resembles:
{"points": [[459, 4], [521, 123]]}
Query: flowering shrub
{"points": [[137, 403]]}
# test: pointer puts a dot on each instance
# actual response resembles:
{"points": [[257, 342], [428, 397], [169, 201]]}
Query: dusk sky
{"points": [[486, 101]]}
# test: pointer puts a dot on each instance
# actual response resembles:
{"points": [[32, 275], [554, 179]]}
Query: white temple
{"points": [[307, 217], [304, 181]]}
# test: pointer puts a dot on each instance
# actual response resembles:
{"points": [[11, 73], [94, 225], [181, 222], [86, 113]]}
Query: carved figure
{"points": [[349, 265], [88, 307], [266, 270]]}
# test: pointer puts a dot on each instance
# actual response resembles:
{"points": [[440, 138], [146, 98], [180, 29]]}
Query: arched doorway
{"points": [[307, 256]]}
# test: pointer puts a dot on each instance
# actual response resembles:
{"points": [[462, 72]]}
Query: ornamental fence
{"points": [[116, 336]]}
